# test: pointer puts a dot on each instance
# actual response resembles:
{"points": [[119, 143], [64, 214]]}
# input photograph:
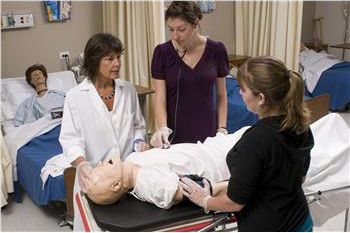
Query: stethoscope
{"points": [[177, 93]]}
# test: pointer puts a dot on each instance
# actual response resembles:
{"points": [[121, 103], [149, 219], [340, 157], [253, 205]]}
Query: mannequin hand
{"points": [[142, 146], [85, 172], [160, 137], [195, 192]]}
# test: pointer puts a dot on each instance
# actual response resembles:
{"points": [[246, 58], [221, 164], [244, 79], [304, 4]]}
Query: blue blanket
{"points": [[336, 82], [31, 158]]}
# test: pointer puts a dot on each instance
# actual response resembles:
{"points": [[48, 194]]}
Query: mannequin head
{"points": [[107, 187], [36, 75]]}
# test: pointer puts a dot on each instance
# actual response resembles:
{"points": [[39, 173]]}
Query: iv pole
{"points": [[347, 30]]}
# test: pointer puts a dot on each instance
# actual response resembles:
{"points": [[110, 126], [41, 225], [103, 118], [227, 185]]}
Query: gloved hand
{"points": [[195, 192], [160, 137], [85, 172], [222, 130]]}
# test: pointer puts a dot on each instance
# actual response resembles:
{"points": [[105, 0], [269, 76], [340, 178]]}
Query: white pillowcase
{"points": [[15, 90]]}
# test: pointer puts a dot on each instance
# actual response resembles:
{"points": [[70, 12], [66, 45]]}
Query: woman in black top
{"points": [[269, 163]]}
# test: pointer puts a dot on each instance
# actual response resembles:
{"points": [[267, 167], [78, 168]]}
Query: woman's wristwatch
{"points": [[222, 130]]}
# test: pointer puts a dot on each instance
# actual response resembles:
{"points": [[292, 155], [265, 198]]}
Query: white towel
{"points": [[54, 167]]}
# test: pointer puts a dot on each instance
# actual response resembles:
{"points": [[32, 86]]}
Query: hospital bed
{"points": [[327, 188], [334, 80], [32, 145]]}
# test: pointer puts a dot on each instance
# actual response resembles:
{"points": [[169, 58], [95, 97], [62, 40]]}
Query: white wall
{"points": [[308, 16], [333, 25], [42, 43]]}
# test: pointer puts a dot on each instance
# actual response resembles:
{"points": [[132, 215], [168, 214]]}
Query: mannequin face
{"points": [[37, 78], [107, 186], [182, 32]]}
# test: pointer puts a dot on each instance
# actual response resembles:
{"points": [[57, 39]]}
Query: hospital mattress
{"points": [[335, 81], [30, 160], [131, 214]]}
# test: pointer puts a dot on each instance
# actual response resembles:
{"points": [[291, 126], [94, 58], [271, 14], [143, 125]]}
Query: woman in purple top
{"points": [[184, 71]]}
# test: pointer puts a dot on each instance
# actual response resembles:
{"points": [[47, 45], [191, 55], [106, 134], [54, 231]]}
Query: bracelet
{"points": [[205, 204]]}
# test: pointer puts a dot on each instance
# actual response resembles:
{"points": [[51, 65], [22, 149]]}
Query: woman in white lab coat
{"points": [[102, 116]]}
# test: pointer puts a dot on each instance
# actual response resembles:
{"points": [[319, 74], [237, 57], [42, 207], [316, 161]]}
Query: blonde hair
{"points": [[283, 90]]}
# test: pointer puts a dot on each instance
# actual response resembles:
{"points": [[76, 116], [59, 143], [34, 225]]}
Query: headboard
{"points": [[15, 90]]}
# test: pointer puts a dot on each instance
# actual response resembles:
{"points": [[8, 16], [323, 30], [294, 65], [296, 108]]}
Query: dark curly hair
{"points": [[98, 46], [33, 68], [186, 10]]}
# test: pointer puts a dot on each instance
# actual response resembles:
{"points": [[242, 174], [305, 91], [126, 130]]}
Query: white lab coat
{"points": [[90, 130]]}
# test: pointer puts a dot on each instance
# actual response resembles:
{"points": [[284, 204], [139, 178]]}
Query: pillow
{"points": [[15, 90]]}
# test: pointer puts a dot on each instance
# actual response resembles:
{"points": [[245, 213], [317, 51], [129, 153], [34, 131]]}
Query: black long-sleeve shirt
{"points": [[266, 168]]}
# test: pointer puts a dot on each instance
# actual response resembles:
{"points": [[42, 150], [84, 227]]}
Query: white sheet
{"points": [[329, 164], [54, 167], [314, 64], [329, 168], [19, 136]]}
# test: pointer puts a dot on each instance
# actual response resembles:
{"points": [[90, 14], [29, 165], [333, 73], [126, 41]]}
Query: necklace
{"points": [[110, 96]]}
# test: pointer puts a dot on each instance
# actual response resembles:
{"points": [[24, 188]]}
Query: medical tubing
{"points": [[177, 96]]}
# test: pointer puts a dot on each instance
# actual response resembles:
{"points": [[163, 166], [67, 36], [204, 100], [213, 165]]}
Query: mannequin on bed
{"points": [[153, 175], [112, 180], [44, 101]]}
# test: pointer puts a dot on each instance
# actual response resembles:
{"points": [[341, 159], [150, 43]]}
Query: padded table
{"points": [[131, 214]]}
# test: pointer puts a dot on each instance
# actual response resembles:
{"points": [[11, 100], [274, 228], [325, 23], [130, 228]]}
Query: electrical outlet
{"points": [[64, 54], [23, 20]]}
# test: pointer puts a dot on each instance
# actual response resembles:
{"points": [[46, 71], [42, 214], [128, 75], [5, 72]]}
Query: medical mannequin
{"points": [[44, 101], [153, 175]]}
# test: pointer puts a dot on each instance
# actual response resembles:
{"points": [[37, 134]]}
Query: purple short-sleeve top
{"points": [[196, 112]]}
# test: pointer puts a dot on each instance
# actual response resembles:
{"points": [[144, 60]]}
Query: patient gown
{"points": [[158, 177], [34, 107]]}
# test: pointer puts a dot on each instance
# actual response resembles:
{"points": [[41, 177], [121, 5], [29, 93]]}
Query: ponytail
{"points": [[297, 115], [283, 90]]}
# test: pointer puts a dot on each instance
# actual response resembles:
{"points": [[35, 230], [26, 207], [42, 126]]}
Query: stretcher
{"points": [[130, 214], [327, 187], [320, 199]]}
